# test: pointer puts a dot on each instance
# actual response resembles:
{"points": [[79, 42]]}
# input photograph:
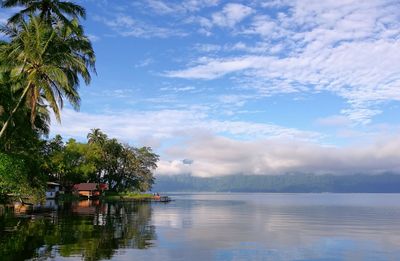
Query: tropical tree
{"points": [[122, 167], [23, 136], [146, 163], [96, 136], [48, 61], [48, 10], [112, 152], [135, 169]]}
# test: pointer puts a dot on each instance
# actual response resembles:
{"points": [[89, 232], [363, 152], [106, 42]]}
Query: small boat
{"points": [[161, 199]]}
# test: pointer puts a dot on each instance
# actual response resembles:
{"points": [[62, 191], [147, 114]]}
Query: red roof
{"points": [[85, 186], [90, 186]]}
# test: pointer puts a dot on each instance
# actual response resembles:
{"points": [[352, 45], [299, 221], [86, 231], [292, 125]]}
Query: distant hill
{"points": [[358, 183]]}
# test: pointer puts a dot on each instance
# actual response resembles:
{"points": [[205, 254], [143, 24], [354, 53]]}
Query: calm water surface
{"points": [[210, 226]]}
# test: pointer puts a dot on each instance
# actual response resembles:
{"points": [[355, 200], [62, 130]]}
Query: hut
{"points": [[89, 190]]}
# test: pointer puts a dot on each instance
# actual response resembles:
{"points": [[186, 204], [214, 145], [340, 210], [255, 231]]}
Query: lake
{"points": [[209, 226]]}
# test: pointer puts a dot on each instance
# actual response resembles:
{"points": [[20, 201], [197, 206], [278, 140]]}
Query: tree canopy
{"points": [[45, 56], [48, 10], [121, 166]]}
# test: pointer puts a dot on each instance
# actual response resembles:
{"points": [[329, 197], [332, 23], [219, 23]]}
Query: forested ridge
{"points": [[295, 182]]}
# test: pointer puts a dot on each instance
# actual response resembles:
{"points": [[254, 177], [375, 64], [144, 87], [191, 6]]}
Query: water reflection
{"points": [[90, 230], [210, 227], [280, 227]]}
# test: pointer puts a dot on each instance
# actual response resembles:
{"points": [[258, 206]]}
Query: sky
{"points": [[246, 87]]}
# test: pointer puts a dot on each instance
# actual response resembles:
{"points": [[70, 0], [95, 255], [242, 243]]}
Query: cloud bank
{"points": [[190, 142], [215, 156]]}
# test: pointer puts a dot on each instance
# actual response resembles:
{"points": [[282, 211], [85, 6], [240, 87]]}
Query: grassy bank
{"points": [[108, 196], [127, 196]]}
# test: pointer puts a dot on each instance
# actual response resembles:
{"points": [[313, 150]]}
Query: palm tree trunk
{"points": [[5, 125]]}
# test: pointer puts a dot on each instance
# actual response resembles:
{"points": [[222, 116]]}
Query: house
{"points": [[53, 189], [89, 190]]}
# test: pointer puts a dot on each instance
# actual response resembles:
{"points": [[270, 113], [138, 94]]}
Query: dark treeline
{"points": [[357, 183], [100, 160]]}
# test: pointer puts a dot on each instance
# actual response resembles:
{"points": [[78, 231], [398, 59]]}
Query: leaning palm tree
{"points": [[49, 61], [48, 10], [22, 129]]}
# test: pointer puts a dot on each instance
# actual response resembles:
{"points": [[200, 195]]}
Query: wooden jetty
{"points": [[164, 199]]}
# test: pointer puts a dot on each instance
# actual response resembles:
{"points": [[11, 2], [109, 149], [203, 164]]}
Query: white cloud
{"points": [[114, 93], [207, 47], [216, 147], [166, 125], [160, 7], [121, 21], [93, 38], [264, 26], [196, 5], [125, 25], [144, 63], [258, 47], [231, 14], [334, 121], [183, 7], [274, 3], [349, 48], [179, 89], [215, 68]]}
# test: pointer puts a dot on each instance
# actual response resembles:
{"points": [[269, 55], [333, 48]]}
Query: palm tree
{"points": [[49, 61], [96, 136], [23, 131], [48, 10]]}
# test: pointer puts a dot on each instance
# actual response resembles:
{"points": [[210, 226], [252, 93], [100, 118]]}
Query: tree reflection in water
{"points": [[88, 229]]}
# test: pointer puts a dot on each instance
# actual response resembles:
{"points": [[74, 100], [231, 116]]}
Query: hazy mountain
{"points": [[383, 183]]}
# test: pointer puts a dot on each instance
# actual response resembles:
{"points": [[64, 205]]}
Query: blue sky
{"points": [[255, 87]]}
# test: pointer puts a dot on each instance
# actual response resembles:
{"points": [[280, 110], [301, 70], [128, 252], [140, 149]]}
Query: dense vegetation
{"points": [[44, 57], [122, 167], [384, 183]]}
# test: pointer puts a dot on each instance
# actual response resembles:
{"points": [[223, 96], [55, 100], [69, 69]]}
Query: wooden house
{"points": [[89, 190]]}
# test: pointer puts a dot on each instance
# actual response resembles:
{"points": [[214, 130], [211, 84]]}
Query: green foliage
{"points": [[12, 175], [48, 10], [43, 58], [48, 61], [123, 167], [22, 135], [16, 178], [134, 196]]}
